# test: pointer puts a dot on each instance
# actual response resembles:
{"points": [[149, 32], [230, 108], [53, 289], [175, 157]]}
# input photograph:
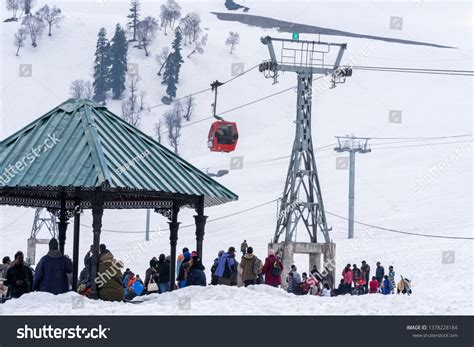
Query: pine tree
{"points": [[134, 17], [101, 67], [172, 67], [118, 59], [178, 59]]}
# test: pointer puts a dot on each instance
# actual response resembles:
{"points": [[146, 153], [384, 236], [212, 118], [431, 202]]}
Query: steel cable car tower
{"points": [[302, 200]]}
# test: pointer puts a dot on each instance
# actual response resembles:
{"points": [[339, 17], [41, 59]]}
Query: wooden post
{"points": [[200, 222], [174, 227], [75, 249], [97, 213]]}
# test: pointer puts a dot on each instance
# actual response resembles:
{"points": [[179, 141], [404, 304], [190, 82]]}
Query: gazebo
{"points": [[82, 156]]}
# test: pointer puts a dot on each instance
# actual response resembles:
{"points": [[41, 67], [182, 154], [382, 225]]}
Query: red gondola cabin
{"points": [[223, 136]]}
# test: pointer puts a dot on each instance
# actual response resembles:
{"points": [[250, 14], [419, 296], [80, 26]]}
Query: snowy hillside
{"points": [[392, 188]]}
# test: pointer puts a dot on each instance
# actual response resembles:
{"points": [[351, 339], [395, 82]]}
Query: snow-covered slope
{"points": [[386, 178]]}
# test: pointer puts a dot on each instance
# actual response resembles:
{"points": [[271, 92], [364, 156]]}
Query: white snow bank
{"points": [[223, 300]]}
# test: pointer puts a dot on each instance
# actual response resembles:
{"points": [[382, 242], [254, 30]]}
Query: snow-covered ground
{"points": [[388, 188], [224, 300]]}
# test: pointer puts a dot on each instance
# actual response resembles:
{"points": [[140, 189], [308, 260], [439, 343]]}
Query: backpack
{"points": [[257, 266], [228, 270], [276, 270]]}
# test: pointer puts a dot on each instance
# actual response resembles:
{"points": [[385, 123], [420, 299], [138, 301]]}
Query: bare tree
{"points": [[76, 90], [51, 15], [81, 89], [232, 40], [173, 122], [191, 26], [146, 30], [35, 26], [20, 38], [165, 17], [88, 90], [13, 5], [133, 106], [199, 46], [188, 107], [174, 11], [157, 130], [169, 14]]}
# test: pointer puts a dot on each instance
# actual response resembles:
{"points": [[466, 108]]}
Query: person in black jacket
{"points": [[4, 266], [163, 269], [51, 273], [379, 273], [19, 277], [341, 290], [151, 275], [196, 275], [365, 272]]}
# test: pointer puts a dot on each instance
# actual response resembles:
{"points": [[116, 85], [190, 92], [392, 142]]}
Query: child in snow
{"points": [[360, 286], [373, 285], [386, 286], [326, 290]]}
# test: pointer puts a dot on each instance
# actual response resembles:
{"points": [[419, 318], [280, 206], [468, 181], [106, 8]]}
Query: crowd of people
{"points": [[53, 274]]}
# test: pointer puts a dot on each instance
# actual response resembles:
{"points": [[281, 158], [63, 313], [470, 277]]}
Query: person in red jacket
{"points": [[373, 285], [348, 277], [272, 269]]}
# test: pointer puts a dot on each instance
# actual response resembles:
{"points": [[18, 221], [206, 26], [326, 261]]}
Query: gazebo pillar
{"points": [[62, 224], [97, 213], [75, 246], [200, 222], [174, 227]]}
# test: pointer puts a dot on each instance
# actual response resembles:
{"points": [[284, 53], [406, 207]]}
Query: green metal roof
{"points": [[83, 144]]}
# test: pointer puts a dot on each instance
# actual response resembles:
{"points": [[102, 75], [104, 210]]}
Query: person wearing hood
{"points": [[181, 272], [51, 274], [226, 267], [180, 259], [247, 265], [196, 275], [19, 277], [214, 278], [272, 269], [109, 278]]}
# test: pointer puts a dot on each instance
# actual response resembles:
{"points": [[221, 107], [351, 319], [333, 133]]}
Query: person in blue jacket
{"points": [[51, 274], [386, 286], [196, 275], [226, 267]]}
